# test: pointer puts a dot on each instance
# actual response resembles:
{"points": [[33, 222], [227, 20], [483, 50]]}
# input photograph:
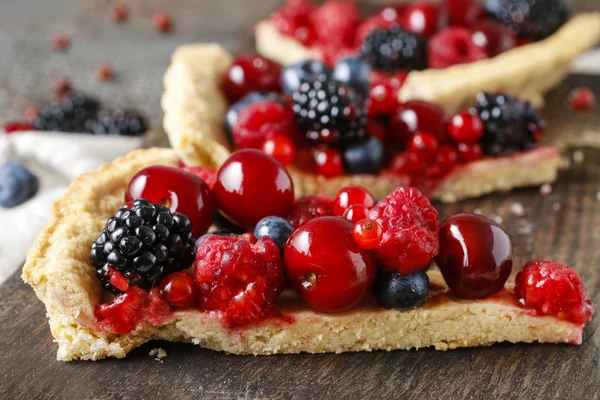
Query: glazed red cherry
{"points": [[425, 144], [493, 37], [352, 195], [356, 213], [424, 19], [328, 162], [413, 116], [249, 73], [463, 12], [328, 269], [178, 190], [280, 148], [475, 255], [179, 289], [367, 233], [252, 185], [582, 99], [466, 128]]}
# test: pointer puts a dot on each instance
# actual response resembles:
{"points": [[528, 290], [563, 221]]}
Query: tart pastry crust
{"points": [[195, 109], [526, 72], [58, 269]]}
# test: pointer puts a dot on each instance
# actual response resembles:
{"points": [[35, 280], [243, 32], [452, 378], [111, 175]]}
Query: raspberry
{"points": [[453, 46], [207, 174], [292, 19], [335, 22], [410, 230], [554, 289], [239, 276], [313, 206], [260, 121]]}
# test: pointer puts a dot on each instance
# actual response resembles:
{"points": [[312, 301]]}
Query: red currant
{"points": [[280, 148], [250, 73], [425, 144], [352, 195], [424, 19], [60, 43], [328, 162], [469, 152], [413, 116], [383, 92], [475, 255], [119, 12], [328, 269], [493, 37], [162, 22], [416, 163], [179, 289], [466, 128], [252, 185], [367, 233], [463, 12], [446, 158], [582, 99], [356, 213], [178, 190], [105, 72]]}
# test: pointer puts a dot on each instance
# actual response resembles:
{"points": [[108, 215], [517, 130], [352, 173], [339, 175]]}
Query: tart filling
{"points": [[365, 287]]}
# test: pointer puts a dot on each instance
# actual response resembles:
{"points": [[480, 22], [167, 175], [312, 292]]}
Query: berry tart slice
{"points": [[450, 51], [126, 258], [331, 131]]}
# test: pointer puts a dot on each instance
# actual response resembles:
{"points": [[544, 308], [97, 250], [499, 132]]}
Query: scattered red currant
{"points": [[60, 43], [280, 148], [352, 195], [446, 158], [328, 162], [425, 144], [367, 233], [61, 87], [465, 128], [105, 72], [179, 289], [469, 152], [356, 213], [582, 99], [424, 19], [162, 22], [119, 12]]}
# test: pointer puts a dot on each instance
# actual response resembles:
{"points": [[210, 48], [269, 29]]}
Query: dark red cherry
{"points": [[475, 255], [493, 37], [414, 116], [326, 266], [252, 185], [178, 190], [424, 19], [251, 73]]}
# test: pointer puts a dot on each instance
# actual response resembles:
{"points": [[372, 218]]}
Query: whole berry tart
{"points": [[446, 52], [145, 248], [331, 131]]}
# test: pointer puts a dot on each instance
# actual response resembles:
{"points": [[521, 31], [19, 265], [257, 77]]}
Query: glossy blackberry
{"points": [[120, 122], [511, 124], [395, 49], [141, 245], [329, 111], [536, 19], [69, 115]]}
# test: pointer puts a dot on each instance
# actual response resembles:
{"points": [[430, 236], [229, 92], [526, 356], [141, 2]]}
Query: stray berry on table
{"points": [[119, 12], [60, 42], [582, 99], [61, 87], [105, 72], [17, 184], [162, 22]]}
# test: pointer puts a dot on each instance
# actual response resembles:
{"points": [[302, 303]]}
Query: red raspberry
{"points": [[554, 289], [292, 19], [313, 206], [410, 230], [240, 276], [335, 22], [453, 46], [261, 121], [207, 174]]}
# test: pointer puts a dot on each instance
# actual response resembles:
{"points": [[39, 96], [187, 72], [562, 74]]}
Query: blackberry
{"points": [[329, 111], [121, 122], [69, 115], [143, 243], [536, 19], [395, 49], [511, 124]]}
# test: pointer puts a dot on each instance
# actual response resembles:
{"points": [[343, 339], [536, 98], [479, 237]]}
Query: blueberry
{"points": [[252, 97], [292, 76], [276, 228], [394, 290], [364, 157], [224, 224], [17, 184], [353, 71]]}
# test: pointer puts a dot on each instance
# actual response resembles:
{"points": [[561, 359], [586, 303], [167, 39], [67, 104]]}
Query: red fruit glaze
{"points": [[356, 213], [207, 174], [413, 116], [466, 128], [162, 22], [132, 309], [310, 207], [463, 12], [335, 22], [469, 152], [582, 99], [252, 185], [493, 37], [119, 12], [554, 289], [328, 162], [410, 229], [249, 73], [367, 234], [261, 121], [118, 280], [280, 148], [328, 269], [178, 190], [453, 46], [60, 42], [179, 289], [475, 255], [424, 144], [17, 126], [424, 19], [352, 195], [239, 276]]}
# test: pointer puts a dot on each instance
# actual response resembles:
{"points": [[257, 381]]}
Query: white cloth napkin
{"points": [[56, 159]]}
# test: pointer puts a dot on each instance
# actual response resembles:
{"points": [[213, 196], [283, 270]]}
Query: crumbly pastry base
{"points": [[58, 269], [526, 72]]}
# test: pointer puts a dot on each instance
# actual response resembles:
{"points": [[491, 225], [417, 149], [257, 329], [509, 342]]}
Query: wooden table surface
{"points": [[564, 225]]}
